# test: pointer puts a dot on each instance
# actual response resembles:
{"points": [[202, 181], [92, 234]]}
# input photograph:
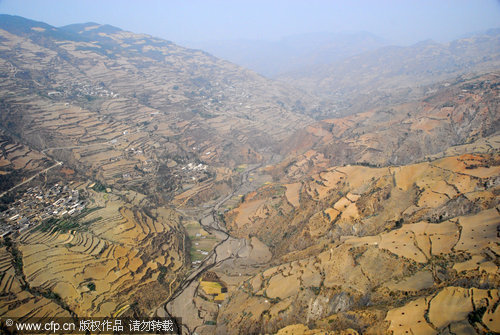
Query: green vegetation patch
{"points": [[241, 168], [163, 272], [205, 242], [66, 224], [98, 187], [476, 315]]}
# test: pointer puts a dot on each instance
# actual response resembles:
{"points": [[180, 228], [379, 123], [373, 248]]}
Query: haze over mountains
{"points": [[356, 193], [350, 72], [291, 53], [317, 54], [387, 71]]}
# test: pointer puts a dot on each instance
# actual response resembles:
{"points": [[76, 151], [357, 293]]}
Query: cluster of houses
{"points": [[38, 204], [196, 172], [82, 90], [94, 90]]}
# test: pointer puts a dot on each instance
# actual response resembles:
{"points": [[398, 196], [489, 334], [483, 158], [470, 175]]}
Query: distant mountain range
{"points": [[423, 61], [292, 53], [393, 74], [351, 72]]}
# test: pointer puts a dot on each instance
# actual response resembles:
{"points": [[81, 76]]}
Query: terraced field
{"points": [[409, 132], [18, 161], [115, 258], [376, 222], [449, 308], [420, 229], [16, 301], [119, 114]]}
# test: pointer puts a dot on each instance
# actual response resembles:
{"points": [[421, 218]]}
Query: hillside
{"points": [[377, 221], [357, 247], [118, 105], [452, 114], [365, 219], [139, 177], [394, 74], [145, 119]]}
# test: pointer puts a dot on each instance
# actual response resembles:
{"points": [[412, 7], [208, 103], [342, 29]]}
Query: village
{"points": [[81, 90], [40, 203]]}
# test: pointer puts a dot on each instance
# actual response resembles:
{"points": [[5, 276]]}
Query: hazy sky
{"points": [[401, 21]]}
